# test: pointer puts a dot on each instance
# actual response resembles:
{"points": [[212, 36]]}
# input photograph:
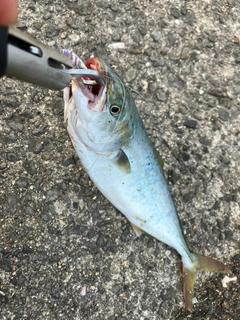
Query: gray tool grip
{"points": [[3, 50], [31, 61]]}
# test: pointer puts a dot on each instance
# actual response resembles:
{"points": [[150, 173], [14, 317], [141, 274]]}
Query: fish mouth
{"points": [[92, 91]]}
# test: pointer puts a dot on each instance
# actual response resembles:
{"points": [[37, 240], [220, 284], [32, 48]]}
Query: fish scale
{"points": [[115, 150]]}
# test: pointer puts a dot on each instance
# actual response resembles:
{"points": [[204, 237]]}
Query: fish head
{"points": [[103, 118]]}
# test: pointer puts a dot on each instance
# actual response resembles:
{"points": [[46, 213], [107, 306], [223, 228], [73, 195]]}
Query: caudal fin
{"points": [[200, 263]]}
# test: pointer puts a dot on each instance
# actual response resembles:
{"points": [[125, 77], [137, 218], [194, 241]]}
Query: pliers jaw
{"points": [[94, 77]]}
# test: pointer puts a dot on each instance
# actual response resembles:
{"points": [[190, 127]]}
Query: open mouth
{"points": [[90, 84], [94, 64]]}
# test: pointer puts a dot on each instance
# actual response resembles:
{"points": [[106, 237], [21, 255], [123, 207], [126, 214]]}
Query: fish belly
{"points": [[141, 195]]}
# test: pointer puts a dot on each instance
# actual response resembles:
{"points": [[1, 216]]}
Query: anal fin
{"points": [[137, 230], [160, 160]]}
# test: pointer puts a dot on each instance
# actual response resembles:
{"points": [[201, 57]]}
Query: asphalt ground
{"points": [[65, 251]]}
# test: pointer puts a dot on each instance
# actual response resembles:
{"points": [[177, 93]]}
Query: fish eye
{"points": [[115, 109]]}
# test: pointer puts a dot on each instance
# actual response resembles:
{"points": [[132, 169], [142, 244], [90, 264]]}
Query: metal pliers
{"points": [[29, 60]]}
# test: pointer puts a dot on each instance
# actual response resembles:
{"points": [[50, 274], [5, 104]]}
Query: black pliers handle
{"points": [[29, 60]]}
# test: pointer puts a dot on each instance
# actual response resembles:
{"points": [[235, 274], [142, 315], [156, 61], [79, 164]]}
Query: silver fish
{"points": [[111, 141]]}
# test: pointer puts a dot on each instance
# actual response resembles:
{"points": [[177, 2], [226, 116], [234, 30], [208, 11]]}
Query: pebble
{"points": [[184, 53], [237, 90], [27, 250], [22, 26], [16, 126], [3, 165], [182, 109], [72, 23], [77, 229], [54, 231], [55, 290], [217, 92], [185, 156], [63, 35], [171, 40], [183, 9], [52, 209], [3, 298], [40, 131], [91, 233], [205, 141], [159, 63], [37, 148], [190, 123], [81, 8], [142, 29], [223, 114], [228, 234], [47, 16], [12, 157], [52, 32], [227, 295], [190, 18], [30, 211], [46, 217], [21, 280], [156, 36], [116, 45], [161, 96], [100, 242], [225, 102], [144, 85], [52, 195], [175, 13], [30, 167], [130, 75], [38, 25], [5, 264], [175, 82], [22, 182], [75, 38]]}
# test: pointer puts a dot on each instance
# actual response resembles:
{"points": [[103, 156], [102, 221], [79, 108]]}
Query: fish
{"points": [[110, 139]]}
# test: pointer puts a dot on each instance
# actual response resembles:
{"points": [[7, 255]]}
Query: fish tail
{"points": [[190, 271]]}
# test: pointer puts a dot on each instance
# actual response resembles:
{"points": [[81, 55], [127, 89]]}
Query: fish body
{"points": [[115, 150]]}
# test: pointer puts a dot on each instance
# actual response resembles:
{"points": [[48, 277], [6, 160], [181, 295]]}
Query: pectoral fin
{"points": [[122, 162]]}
